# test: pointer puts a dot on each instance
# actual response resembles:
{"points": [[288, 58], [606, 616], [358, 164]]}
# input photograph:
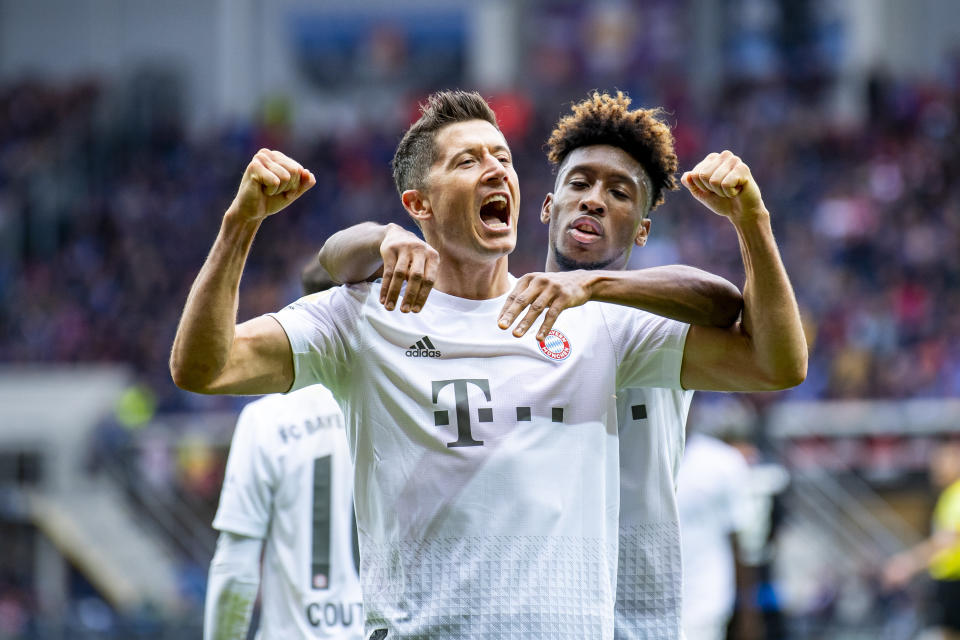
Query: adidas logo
{"points": [[423, 348]]}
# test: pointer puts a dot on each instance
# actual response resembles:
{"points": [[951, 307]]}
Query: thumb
{"points": [[307, 181]]}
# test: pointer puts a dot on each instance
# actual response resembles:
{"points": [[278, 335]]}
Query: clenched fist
{"points": [[270, 183], [724, 184]]}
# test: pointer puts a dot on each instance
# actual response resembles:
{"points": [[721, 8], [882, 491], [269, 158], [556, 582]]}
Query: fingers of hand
{"points": [[429, 277], [553, 312], [694, 185], [516, 302], [260, 173], [733, 183], [280, 174], [407, 259], [414, 282], [540, 303], [394, 275], [687, 180], [725, 179], [721, 174]]}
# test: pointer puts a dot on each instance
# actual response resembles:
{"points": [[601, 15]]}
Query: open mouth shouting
{"points": [[585, 230], [495, 212]]}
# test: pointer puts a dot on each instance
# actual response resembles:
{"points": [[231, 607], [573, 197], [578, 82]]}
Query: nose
{"points": [[592, 200], [494, 172]]}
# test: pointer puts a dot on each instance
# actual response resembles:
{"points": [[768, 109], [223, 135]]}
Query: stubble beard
{"points": [[566, 263]]}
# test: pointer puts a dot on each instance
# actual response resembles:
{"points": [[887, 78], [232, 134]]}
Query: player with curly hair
{"points": [[613, 166]]}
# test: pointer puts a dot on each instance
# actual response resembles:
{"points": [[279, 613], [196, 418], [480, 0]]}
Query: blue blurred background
{"points": [[126, 124]]}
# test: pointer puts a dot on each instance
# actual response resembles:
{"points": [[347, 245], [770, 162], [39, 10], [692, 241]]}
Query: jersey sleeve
{"points": [[322, 331], [231, 587], [249, 481], [649, 348]]}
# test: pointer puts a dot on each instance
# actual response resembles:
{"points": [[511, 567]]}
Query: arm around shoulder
{"points": [[367, 250], [678, 292], [353, 254]]}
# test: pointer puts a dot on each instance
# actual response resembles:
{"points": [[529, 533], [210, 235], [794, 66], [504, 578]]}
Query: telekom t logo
{"points": [[441, 418]]}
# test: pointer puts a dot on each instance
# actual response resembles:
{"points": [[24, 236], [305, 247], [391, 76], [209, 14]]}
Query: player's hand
{"points": [[406, 258], [723, 183], [897, 573], [270, 182], [550, 292]]}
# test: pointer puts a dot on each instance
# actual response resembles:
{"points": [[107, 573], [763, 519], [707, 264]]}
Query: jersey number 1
{"points": [[322, 521]]}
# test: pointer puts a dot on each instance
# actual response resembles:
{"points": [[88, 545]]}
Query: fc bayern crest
{"points": [[556, 346]]}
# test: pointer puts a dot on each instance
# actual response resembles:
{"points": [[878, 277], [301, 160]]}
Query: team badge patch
{"points": [[556, 346]]}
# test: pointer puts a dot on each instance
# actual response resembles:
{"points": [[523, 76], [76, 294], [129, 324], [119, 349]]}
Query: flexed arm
{"points": [[767, 350], [211, 353]]}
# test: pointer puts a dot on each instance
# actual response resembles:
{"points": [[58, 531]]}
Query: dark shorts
{"points": [[946, 601]]}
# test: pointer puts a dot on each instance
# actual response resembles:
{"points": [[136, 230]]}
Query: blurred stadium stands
{"points": [[125, 125]]}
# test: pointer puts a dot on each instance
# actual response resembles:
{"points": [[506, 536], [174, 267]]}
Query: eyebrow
{"points": [[616, 176]]}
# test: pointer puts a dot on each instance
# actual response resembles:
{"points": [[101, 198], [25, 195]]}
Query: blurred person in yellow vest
{"points": [[940, 553]]}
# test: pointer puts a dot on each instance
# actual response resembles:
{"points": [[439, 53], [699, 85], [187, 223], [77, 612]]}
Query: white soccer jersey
{"points": [[486, 466], [289, 480], [652, 427]]}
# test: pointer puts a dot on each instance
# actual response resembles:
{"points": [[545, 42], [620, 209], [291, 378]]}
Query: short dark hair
{"points": [[606, 119], [417, 151]]}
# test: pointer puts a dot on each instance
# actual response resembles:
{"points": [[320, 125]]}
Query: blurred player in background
{"points": [[711, 494], [613, 166], [288, 485], [940, 553]]}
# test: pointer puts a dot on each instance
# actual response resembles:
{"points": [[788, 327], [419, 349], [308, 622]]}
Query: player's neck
{"points": [[473, 280]]}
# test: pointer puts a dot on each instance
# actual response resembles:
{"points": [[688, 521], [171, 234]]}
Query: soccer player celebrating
{"points": [[486, 475], [614, 166], [289, 482]]}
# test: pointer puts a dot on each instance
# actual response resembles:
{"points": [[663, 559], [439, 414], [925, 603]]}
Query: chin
{"points": [[500, 246], [570, 260]]}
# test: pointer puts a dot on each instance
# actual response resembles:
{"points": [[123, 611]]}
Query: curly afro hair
{"points": [[606, 119]]}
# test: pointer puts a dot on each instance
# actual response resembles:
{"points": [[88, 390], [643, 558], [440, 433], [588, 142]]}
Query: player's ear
{"points": [[417, 205], [643, 232], [546, 209]]}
